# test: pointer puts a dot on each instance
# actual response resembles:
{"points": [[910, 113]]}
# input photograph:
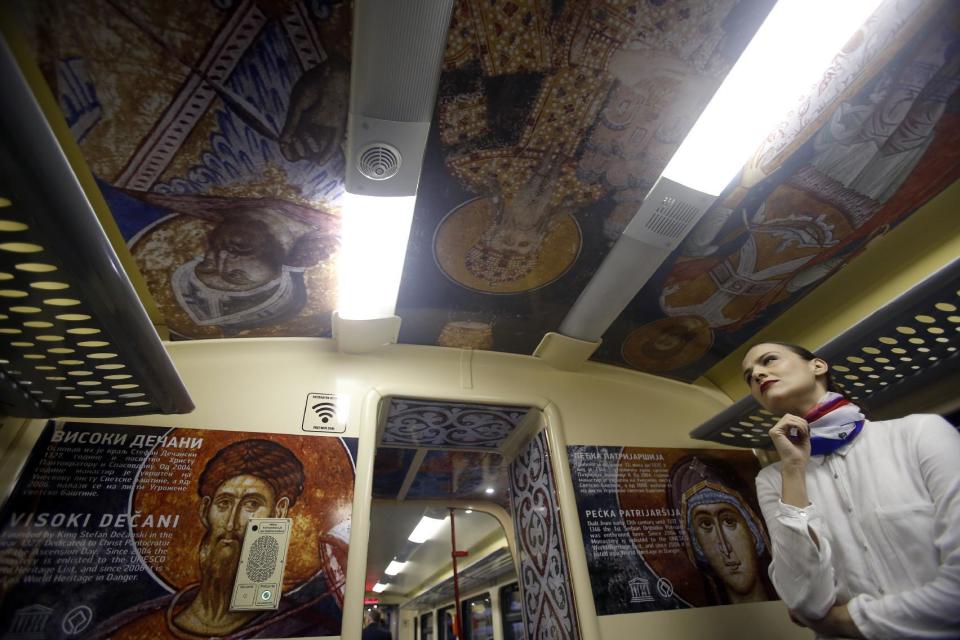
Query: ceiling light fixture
{"points": [[775, 69], [395, 70], [373, 245], [394, 568], [779, 64], [379, 587], [426, 529], [488, 490]]}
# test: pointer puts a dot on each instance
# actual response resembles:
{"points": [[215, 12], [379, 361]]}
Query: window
{"points": [[445, 623], [426, 627], [510, 612], [478, 618]]}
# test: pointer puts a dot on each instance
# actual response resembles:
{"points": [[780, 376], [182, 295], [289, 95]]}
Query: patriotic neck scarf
{"points": [[834, 422]]}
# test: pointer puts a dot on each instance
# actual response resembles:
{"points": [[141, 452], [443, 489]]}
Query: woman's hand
{"points": [[791, 437], [837, 623]]}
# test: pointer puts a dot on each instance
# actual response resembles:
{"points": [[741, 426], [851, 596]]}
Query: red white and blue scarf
{"points": [[834, 422]]}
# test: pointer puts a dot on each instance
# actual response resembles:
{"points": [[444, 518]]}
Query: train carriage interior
{"points": [[321, 316]]}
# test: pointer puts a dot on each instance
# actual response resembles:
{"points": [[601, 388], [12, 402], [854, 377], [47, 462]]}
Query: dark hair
{"points": [[271, 462], [376, 616], [807, 355]]}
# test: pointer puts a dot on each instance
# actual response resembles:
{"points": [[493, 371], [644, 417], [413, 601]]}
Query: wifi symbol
{"points": [[325, 411]]}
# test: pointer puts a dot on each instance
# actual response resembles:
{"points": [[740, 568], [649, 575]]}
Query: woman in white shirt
{"points": [[864, 517]]}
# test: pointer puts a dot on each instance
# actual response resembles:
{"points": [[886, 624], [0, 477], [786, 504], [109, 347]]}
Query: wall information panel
{"points": [[670, 528], [135, 532]]}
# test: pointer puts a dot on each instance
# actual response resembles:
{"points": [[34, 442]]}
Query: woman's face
{"points": [[728, 545], [782, 381]]}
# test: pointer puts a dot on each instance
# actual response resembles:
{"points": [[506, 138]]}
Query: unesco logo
{"points": [[76, 620]]}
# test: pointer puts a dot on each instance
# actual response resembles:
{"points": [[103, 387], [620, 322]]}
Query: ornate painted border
{"points": [[548, 607], [449, 425]]}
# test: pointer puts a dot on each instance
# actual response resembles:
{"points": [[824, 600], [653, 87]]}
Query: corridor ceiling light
{"points": [[373, 245], [379, 587], [781, 62], [426, 529], [394, 568], [396, 57], [488, 490]]}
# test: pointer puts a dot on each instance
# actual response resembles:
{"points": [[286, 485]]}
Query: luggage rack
{"points": [[908, 347], [75, 339]]}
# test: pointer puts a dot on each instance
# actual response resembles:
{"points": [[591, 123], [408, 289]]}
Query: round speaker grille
{"points": [[379, 161]]}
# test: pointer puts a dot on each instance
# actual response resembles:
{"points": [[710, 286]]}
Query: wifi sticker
{"points": [[326, 413]]}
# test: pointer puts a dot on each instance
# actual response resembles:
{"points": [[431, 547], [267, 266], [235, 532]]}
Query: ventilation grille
{"points": [[379, 161], [397, 54], [673, 218], [902, 349]]}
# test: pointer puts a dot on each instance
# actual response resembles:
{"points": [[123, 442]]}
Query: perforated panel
{"points": [[54, 352], [74, 338], [673, 218], [902, 348]]}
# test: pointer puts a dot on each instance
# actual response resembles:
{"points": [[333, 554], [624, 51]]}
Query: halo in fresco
{"points": [[730, 477], [171, 253], [466, 334], [325, 502], [477, 251], [668, 343]]}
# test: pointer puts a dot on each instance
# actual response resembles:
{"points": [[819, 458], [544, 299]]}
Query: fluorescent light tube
{"points": [[373, 245], [394, 568], [788, 54], [426, 529], [379, 587]]}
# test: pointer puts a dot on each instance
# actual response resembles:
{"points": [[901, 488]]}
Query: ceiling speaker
{"points": [[397, 53], [667, 215], [378, 161]]}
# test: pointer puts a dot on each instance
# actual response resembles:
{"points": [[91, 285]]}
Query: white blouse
{"points": [[886, 511]]}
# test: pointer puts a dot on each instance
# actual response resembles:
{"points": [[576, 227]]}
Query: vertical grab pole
{"points": [[454, 554]]}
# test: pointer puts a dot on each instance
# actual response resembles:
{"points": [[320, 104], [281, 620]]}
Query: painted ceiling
{"points": [[215, 130]]}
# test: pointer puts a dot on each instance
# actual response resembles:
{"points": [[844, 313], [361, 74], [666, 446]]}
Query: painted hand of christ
{"points": [[524, 218], [317, 116]]}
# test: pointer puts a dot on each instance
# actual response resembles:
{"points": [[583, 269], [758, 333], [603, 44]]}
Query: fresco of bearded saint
{"points": [[247, 479], [244, 266]]}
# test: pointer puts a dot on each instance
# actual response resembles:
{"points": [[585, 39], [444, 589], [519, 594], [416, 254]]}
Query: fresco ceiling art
{"points": [[215, 129]]}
